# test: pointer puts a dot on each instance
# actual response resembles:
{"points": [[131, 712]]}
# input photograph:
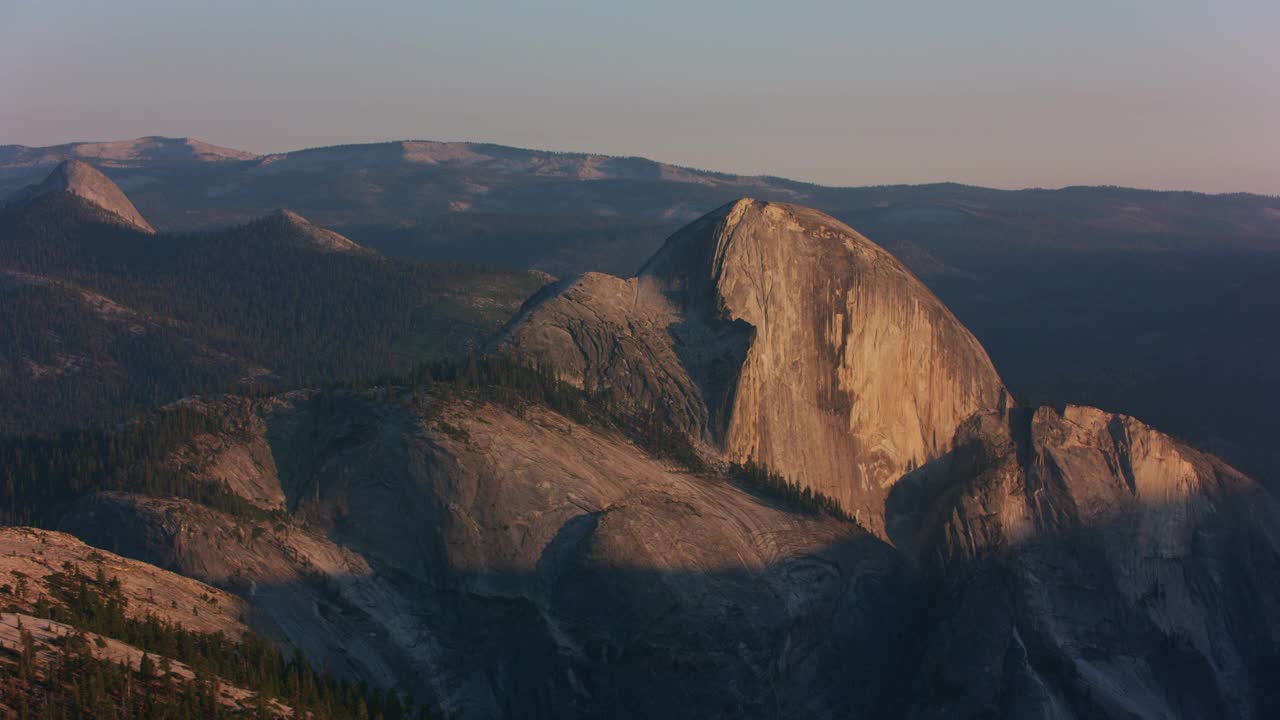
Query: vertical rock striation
{"points": [[855, 374]]}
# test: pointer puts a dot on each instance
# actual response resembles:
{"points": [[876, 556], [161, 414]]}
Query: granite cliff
{"points": [[1078, 563], [775, 332]]}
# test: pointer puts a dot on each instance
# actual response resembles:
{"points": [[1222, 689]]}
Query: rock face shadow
{"points": [[713, 353]]}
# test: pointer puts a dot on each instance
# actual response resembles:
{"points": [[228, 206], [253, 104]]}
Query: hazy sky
{"points": [[1159, 93]]}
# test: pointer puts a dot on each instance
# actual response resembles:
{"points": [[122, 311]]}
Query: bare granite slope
{"points": [[511, 562], [524, 565], [605, 334], [83, 180], [28, 556]]}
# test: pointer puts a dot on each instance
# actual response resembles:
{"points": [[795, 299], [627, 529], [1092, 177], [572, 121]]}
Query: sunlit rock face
{"points": [[776, 332], [84, 181], [855, 372], [1033, 473]]}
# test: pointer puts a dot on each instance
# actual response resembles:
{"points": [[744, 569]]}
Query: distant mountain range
{"points": [[104, 317], [182, 183], [1081, 294], [770, 475]]}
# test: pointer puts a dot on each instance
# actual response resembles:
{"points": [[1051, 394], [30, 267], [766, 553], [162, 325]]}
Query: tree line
{"points": [[759, 478]]}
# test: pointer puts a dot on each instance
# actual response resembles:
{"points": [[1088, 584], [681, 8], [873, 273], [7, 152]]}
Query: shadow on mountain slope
{"points": [[1043, 628], [524, 583]]}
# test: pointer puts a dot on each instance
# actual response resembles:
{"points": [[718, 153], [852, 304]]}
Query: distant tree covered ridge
{"points": [[102, 321]]}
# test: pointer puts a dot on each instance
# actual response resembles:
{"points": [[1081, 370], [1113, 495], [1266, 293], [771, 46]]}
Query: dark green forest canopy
{"points": [[109, 321]]}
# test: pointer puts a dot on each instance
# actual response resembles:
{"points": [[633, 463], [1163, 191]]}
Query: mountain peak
{"points": [[86, 182], [777, 333], [311, 235], [291, 217]]}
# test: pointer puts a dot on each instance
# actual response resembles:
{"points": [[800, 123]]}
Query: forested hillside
{"points": [[102, 320]]}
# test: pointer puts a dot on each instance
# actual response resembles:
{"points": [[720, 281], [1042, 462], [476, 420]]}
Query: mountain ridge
{"points": [[153, 148], [501, 544], [123, 152], [108, 318]]}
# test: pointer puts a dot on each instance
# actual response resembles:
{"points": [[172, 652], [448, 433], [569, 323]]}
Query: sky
{"points": [[1167, 94]]}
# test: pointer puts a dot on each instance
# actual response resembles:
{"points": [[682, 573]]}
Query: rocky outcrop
{"points": [[84, 181], [1031, 473], [812, 350], [1098, 568]]}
